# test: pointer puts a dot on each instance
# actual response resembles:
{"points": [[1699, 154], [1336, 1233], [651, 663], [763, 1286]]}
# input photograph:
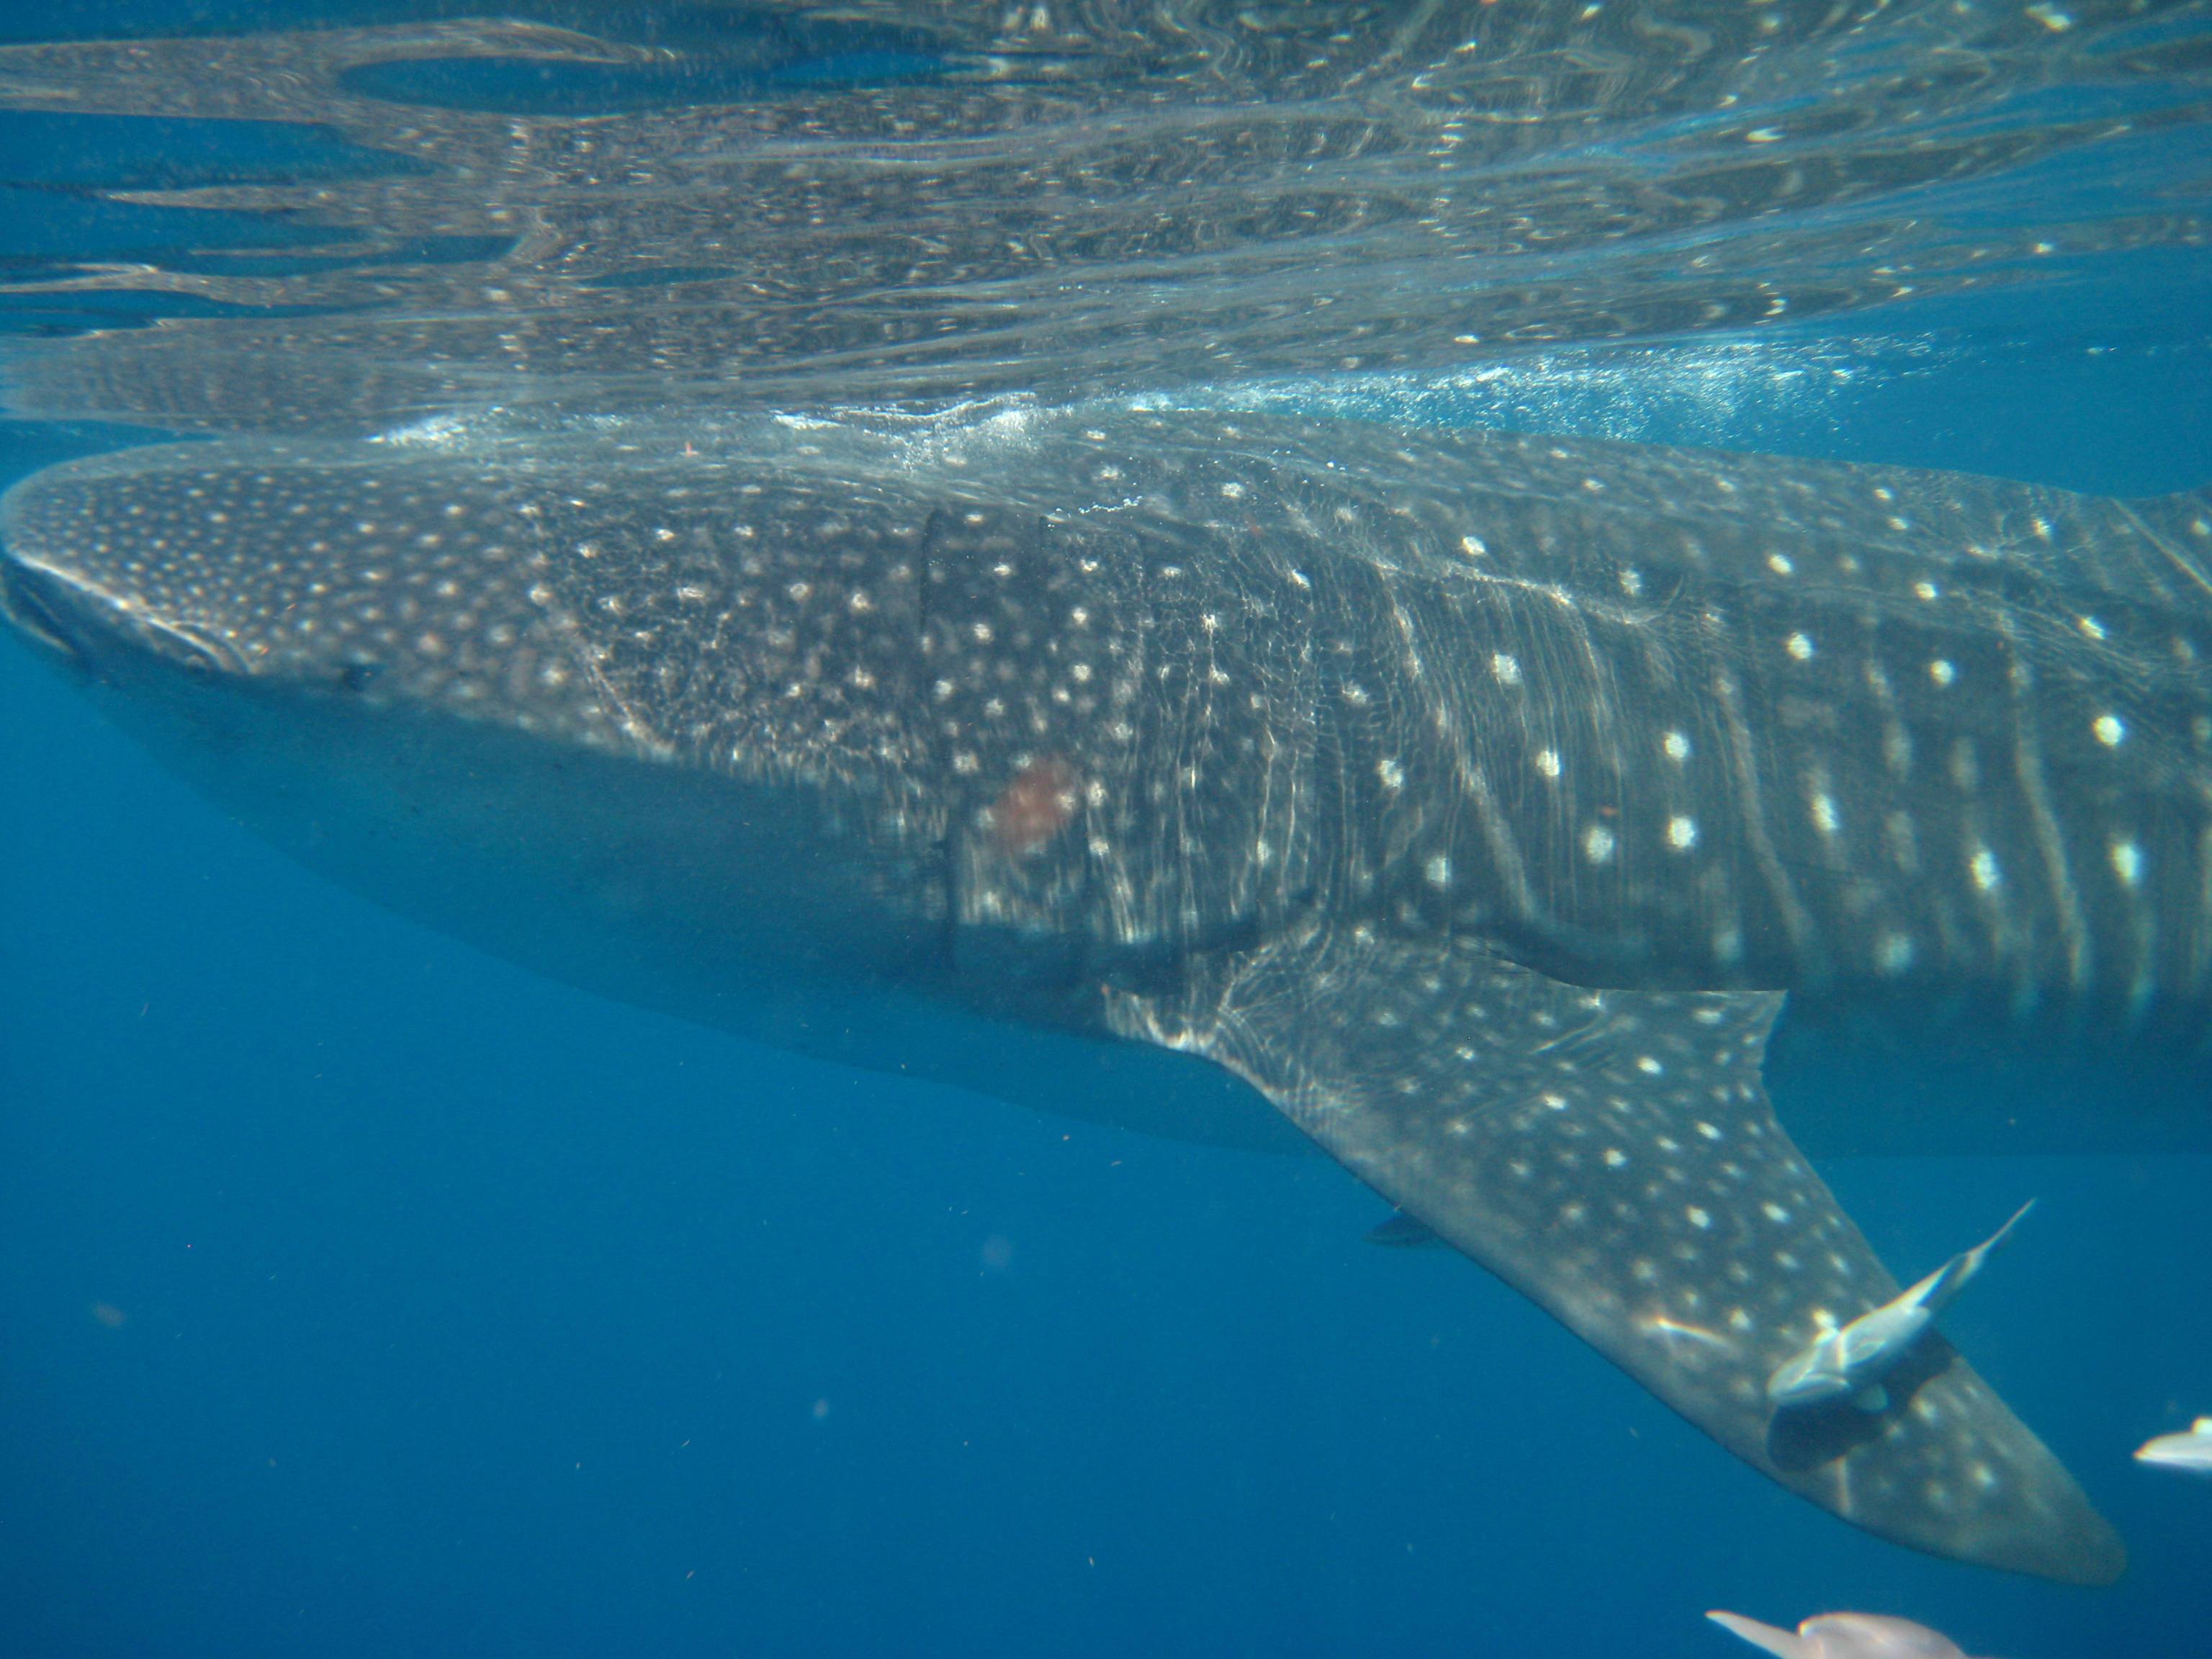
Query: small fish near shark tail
{"points": [[2189, 1450], [1612, 1155], [1843, 1635], [1851, 1361]]}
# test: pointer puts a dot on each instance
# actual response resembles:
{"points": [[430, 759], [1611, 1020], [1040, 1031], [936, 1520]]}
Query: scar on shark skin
{"points": [[1032, 809]]}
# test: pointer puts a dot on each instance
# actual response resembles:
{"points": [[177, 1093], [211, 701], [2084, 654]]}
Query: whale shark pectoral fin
{"points": [[1784, 1644], [1612, 1155]]}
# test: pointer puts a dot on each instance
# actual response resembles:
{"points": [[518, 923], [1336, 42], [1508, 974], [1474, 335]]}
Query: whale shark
{"points": [[1468, 805]]}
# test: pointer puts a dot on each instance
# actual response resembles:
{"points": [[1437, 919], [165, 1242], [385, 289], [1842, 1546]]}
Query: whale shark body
{"points": [[1470, 803]]}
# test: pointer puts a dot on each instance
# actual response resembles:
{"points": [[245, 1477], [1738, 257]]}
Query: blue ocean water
{"points": [[361, 1295]]}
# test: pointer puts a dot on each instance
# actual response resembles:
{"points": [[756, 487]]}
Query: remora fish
{"points": [[1475, 799], [1850, 1360]]}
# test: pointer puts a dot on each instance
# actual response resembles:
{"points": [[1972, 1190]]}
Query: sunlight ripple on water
{"points": [[916, 204]]}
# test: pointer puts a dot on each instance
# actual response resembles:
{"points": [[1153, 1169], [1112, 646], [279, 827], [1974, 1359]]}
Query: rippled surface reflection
{"points": [[922, 202]]}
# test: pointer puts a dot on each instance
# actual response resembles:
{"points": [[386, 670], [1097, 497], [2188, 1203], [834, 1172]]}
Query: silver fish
{"points": [[1843, 1635], [2189, 1451], [1850, 1360]]}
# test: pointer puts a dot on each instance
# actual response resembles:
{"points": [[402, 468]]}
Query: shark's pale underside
{"points": [[1476, 799]]}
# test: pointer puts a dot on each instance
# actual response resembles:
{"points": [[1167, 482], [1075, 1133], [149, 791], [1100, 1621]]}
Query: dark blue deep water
{"points": [[361, 1295]]}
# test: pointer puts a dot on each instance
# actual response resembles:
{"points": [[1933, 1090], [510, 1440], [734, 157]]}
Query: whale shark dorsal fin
{"points": [[1612, 1155], [1786, 1645]]}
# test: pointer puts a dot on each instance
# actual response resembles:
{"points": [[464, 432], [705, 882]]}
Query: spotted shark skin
{"points": [[1476, 799]]}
